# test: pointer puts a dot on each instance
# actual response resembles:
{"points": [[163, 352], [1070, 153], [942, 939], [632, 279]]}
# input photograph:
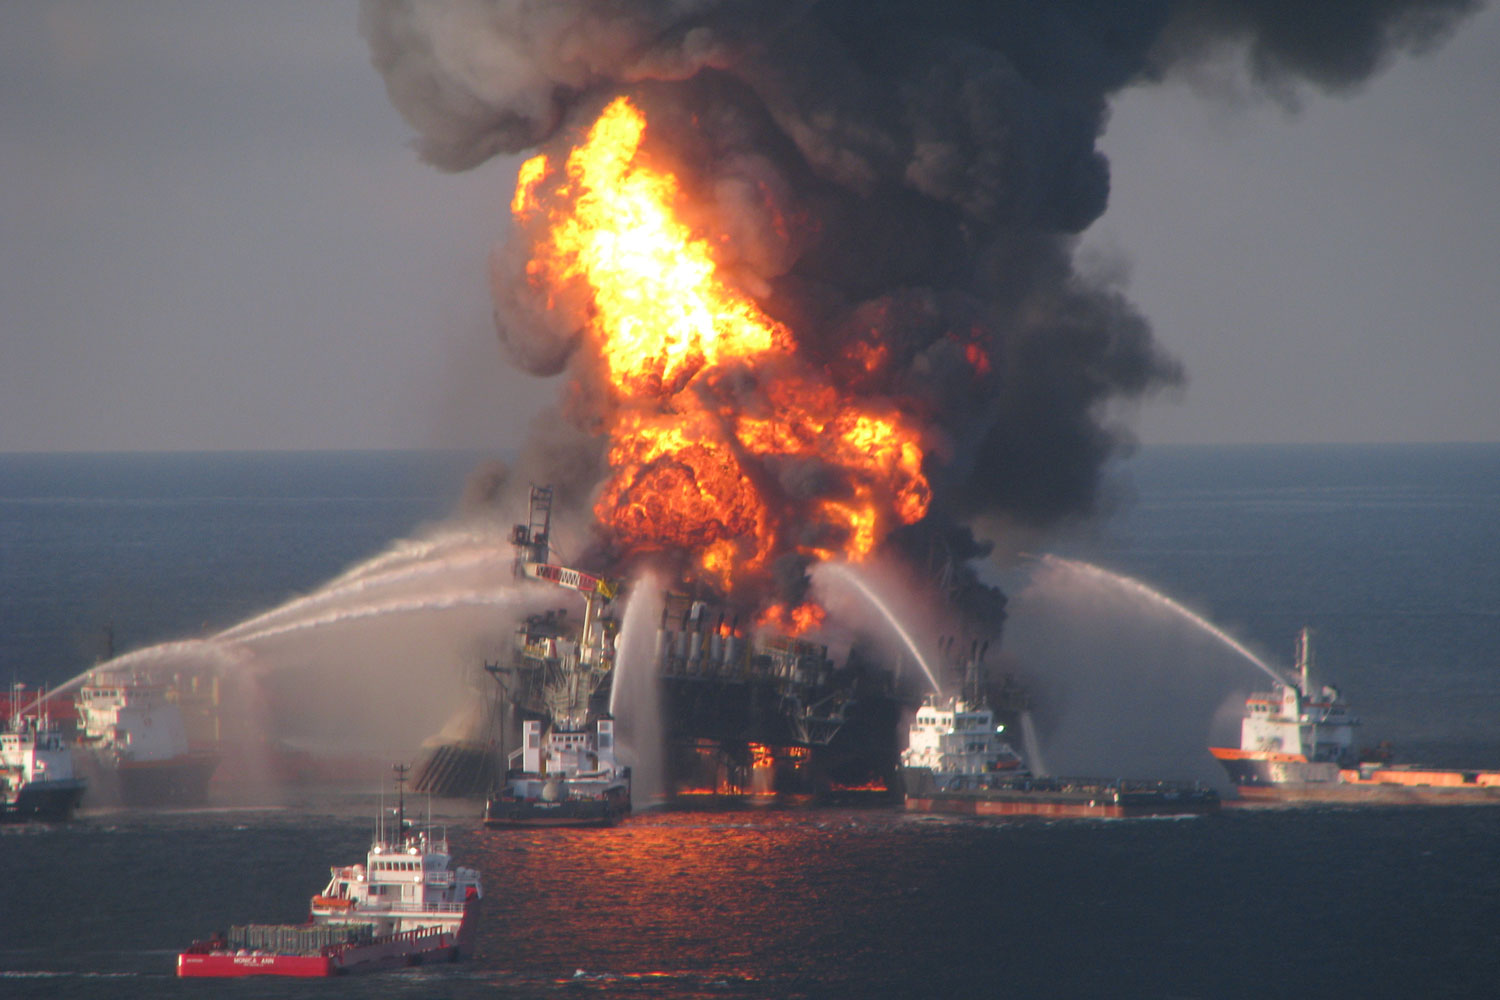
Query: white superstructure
{"points": [[407, 883], [36, 767], [136, 742], [131, 717], [955, 736], [1295, 719], [584, 758]]}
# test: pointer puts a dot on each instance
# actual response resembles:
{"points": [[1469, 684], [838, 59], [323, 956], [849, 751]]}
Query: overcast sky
{"points": [[214, 235]]}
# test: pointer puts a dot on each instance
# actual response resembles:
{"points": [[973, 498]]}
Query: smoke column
{"points": [[898, 184]]}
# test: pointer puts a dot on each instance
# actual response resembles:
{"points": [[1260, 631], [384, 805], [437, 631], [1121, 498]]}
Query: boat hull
{"points": [[223, 965], [1045, 806], [396, 951], [1056, 805], [568, 812], [1082, 798], [43, 802], [1369, 793], [533, 799], [179, 781], [418, 946], [173, 781], [1268, 777]]}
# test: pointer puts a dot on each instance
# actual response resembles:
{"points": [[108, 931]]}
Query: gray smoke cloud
{"points": [[895, 181]]}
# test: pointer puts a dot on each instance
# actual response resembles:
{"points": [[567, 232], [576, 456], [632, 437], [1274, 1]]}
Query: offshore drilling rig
{"points": [[744, 710]]}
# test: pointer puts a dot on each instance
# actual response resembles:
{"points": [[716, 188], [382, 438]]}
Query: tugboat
{"points": [[565, 773], [37, 781], [136, 742], [406, 905], [1297, 745], [956, 762]]}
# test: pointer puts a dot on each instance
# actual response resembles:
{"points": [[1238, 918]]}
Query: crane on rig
{"points": [[565, 772], [572, 669], [533, 542]]}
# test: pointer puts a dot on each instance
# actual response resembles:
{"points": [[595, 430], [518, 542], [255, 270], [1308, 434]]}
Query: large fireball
{"points": [[697, 469]]}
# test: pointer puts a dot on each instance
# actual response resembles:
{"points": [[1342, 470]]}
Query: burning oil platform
{"points": [[813, 281], [743, 711]]}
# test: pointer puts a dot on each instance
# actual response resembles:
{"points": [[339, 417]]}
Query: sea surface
{"points": [[1387, 552]]}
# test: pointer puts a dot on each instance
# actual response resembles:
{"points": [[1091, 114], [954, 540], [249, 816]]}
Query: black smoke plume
{"points": [[901, 183]]}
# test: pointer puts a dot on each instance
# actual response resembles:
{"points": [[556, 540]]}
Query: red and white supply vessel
{"points": [[408, 904]]}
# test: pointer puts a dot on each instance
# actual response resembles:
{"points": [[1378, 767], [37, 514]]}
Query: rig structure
{"points": [[743, 711]]}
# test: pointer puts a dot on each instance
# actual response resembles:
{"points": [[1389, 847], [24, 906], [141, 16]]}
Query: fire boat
{"points": [[1297, 745], [406, 905], [956, 762]]}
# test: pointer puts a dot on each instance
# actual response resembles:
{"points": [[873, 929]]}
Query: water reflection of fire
{"points": [[711, 411]]}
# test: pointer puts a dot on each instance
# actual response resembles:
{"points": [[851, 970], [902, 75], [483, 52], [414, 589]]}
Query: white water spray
{"points": [[442, 602], [1031, 747], [435, 547], [365, 583], [195, 654], [221, 653], [847, 574], [635, 693], [1139, 589]]}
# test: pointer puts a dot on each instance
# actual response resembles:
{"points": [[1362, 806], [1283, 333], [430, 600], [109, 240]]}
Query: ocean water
{"points": [[810, 903], [1387, 552], [157, 547]]}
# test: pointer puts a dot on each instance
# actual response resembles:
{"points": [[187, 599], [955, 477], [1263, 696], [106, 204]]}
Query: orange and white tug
{"points": [[406, 905]]}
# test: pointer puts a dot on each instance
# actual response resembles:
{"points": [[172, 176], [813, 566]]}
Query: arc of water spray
{"points": [[404, 561], [1140, 589], [225, 654], [478, 598], [421, 550], [360, 585], [227, 649], [1032, 746], [643, 607], [847, 574]]}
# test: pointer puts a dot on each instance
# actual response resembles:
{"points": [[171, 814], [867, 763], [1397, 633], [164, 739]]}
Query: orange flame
{"points": [[794, 620], [532, 173], [691, 472]]}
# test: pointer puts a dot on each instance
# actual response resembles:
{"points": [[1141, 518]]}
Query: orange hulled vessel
{"points": [[1297, 744]]}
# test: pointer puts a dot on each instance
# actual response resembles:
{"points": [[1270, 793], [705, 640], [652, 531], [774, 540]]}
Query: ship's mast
{"points": [[974, 673], [400, 770], [1304, 661]]}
